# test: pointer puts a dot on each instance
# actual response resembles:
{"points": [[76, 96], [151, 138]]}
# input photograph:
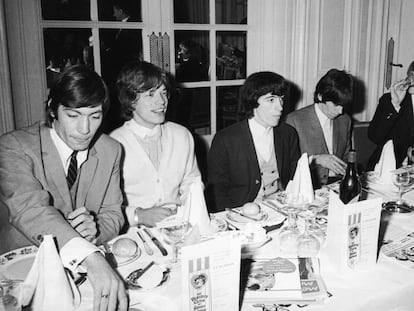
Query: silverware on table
{"points": [[156, 242], [148, 249], [274, 207], [235, 211]]}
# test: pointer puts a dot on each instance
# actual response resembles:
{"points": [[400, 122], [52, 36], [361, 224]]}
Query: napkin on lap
{"points": [[386, 163], [301, 184], [47, 286]]}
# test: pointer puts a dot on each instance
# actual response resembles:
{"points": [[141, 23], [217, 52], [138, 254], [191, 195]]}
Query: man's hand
{"points": [[108, 289], [84, 223], [331, 162], [150, 216], [398, 90]]}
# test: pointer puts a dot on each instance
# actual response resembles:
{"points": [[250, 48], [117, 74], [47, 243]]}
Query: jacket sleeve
{"points": [[218, 175], [384, 120], [23, 198]]}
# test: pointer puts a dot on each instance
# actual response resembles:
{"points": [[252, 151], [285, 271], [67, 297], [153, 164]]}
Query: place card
{"points": [[211, 274], [352, 235]]}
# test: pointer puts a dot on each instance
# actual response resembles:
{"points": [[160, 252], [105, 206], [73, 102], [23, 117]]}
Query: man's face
{"points": [[151, 107], [410, 77], [118, 14], [77, 126], [331, 110], [269, 111]]}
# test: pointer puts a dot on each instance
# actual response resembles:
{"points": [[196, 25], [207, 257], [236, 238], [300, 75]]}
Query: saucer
{"points": [[135, 285]]}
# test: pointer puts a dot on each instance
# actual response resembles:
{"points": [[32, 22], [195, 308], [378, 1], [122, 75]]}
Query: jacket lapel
{"points": [[251, 151], [87, 175], [316, 127], [54, 171]]}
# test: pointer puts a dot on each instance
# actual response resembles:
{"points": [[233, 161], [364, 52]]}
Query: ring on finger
{"points": [[104, 295]]}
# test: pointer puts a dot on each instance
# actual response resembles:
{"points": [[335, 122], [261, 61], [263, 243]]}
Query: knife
{"points": [[156, 242], [148, 249]]}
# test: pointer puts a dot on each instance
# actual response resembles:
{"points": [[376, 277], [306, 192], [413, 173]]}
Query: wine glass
{"points": [[313, 227], [308, 244], [175, 236], [401, 178], [288, 235]]}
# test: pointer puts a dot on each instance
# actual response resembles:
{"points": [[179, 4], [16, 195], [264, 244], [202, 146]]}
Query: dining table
{"points": [[388, 285]]}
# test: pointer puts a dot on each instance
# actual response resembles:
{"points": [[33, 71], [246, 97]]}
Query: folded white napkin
{"points": [[300, 187], [194, 210], [47, 286], [386, 163]]}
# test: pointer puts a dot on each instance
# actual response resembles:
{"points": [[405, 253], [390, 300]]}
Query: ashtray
{"points": [[396, 207]]}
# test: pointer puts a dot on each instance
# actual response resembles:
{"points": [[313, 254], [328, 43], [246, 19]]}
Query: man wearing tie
{"points": [[61, 177], [324, 132]]}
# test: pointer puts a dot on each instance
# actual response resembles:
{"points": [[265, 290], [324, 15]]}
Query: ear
{"points": [[319, 97]]}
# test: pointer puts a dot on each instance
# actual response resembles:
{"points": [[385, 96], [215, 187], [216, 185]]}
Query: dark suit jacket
{"points": [[388, 124], [34, 196], [312, 141], [233, 169]]}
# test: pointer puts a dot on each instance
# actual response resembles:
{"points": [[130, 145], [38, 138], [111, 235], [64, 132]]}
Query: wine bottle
{"points": [[350, 186]]}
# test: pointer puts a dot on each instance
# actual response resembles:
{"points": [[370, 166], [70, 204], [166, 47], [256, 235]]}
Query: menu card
{"points": [[352, 238], [211, 274]]}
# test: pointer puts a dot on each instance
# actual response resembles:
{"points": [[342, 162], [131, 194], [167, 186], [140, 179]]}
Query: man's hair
{"points": [[410, 68], [76, 87], [335, 86], [259, 84], [124, 5], [135, 78]]}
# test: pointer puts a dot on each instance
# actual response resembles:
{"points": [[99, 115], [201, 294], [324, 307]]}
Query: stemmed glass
{"points": [[175, 236], [308, 244], [288, 235], [401, 178], [313, 227]]}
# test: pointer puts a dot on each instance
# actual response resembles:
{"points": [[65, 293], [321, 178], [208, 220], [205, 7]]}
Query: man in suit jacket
{"points": [[324, 132], [394, 120], [62, 178], [254, 158]]}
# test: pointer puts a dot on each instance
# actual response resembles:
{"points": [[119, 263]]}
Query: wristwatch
{"points": [[136, 218]]}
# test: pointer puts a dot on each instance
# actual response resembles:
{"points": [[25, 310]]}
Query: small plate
{"points": [[247, 247], [135, 286], [218, 224], [122, 261], [261, 216]]}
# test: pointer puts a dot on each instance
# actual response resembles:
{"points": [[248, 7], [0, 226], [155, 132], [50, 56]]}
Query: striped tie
{"points": [[72, 170]]}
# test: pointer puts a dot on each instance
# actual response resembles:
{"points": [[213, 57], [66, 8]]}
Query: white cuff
{"points": [[74, 252]]}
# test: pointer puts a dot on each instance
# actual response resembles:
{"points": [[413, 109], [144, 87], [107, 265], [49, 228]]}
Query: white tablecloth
{"points": [[387, 286]]}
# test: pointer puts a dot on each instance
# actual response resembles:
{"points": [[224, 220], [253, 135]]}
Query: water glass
{"points": [[11, 295], [175, 236]]}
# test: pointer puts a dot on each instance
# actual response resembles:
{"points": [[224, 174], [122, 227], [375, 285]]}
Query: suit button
{"points": [[39, 238], [257, 181]]}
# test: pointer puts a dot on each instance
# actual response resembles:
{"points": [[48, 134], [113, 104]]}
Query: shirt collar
{"points": [[142, 131], [65, 151], [321, 116], [257, 129]]}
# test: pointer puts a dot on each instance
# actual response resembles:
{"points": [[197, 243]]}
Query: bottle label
{"points": [[354, 239], [200, 284]]}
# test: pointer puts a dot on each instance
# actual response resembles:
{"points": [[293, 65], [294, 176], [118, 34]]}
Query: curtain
{"points": [[6, 105]]}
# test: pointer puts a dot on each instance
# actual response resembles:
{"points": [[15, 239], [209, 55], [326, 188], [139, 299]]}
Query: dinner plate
{"points": [[16, 264], [261, 216]]}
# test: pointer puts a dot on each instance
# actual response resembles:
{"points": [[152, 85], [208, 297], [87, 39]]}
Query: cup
{"points": [[11, 295]]}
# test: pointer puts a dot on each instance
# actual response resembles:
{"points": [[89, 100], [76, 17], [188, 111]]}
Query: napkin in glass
{"points": [[48, 286], [300, 186], [386, 163]]}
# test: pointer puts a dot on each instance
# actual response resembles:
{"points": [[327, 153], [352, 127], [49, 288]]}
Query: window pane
{"points": [[192, 56], [116, 10], [231, 55], [65, 47], [118, 47], [231, 11], [66, 10], [229, 110], [191, 109], [191, 11]]}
